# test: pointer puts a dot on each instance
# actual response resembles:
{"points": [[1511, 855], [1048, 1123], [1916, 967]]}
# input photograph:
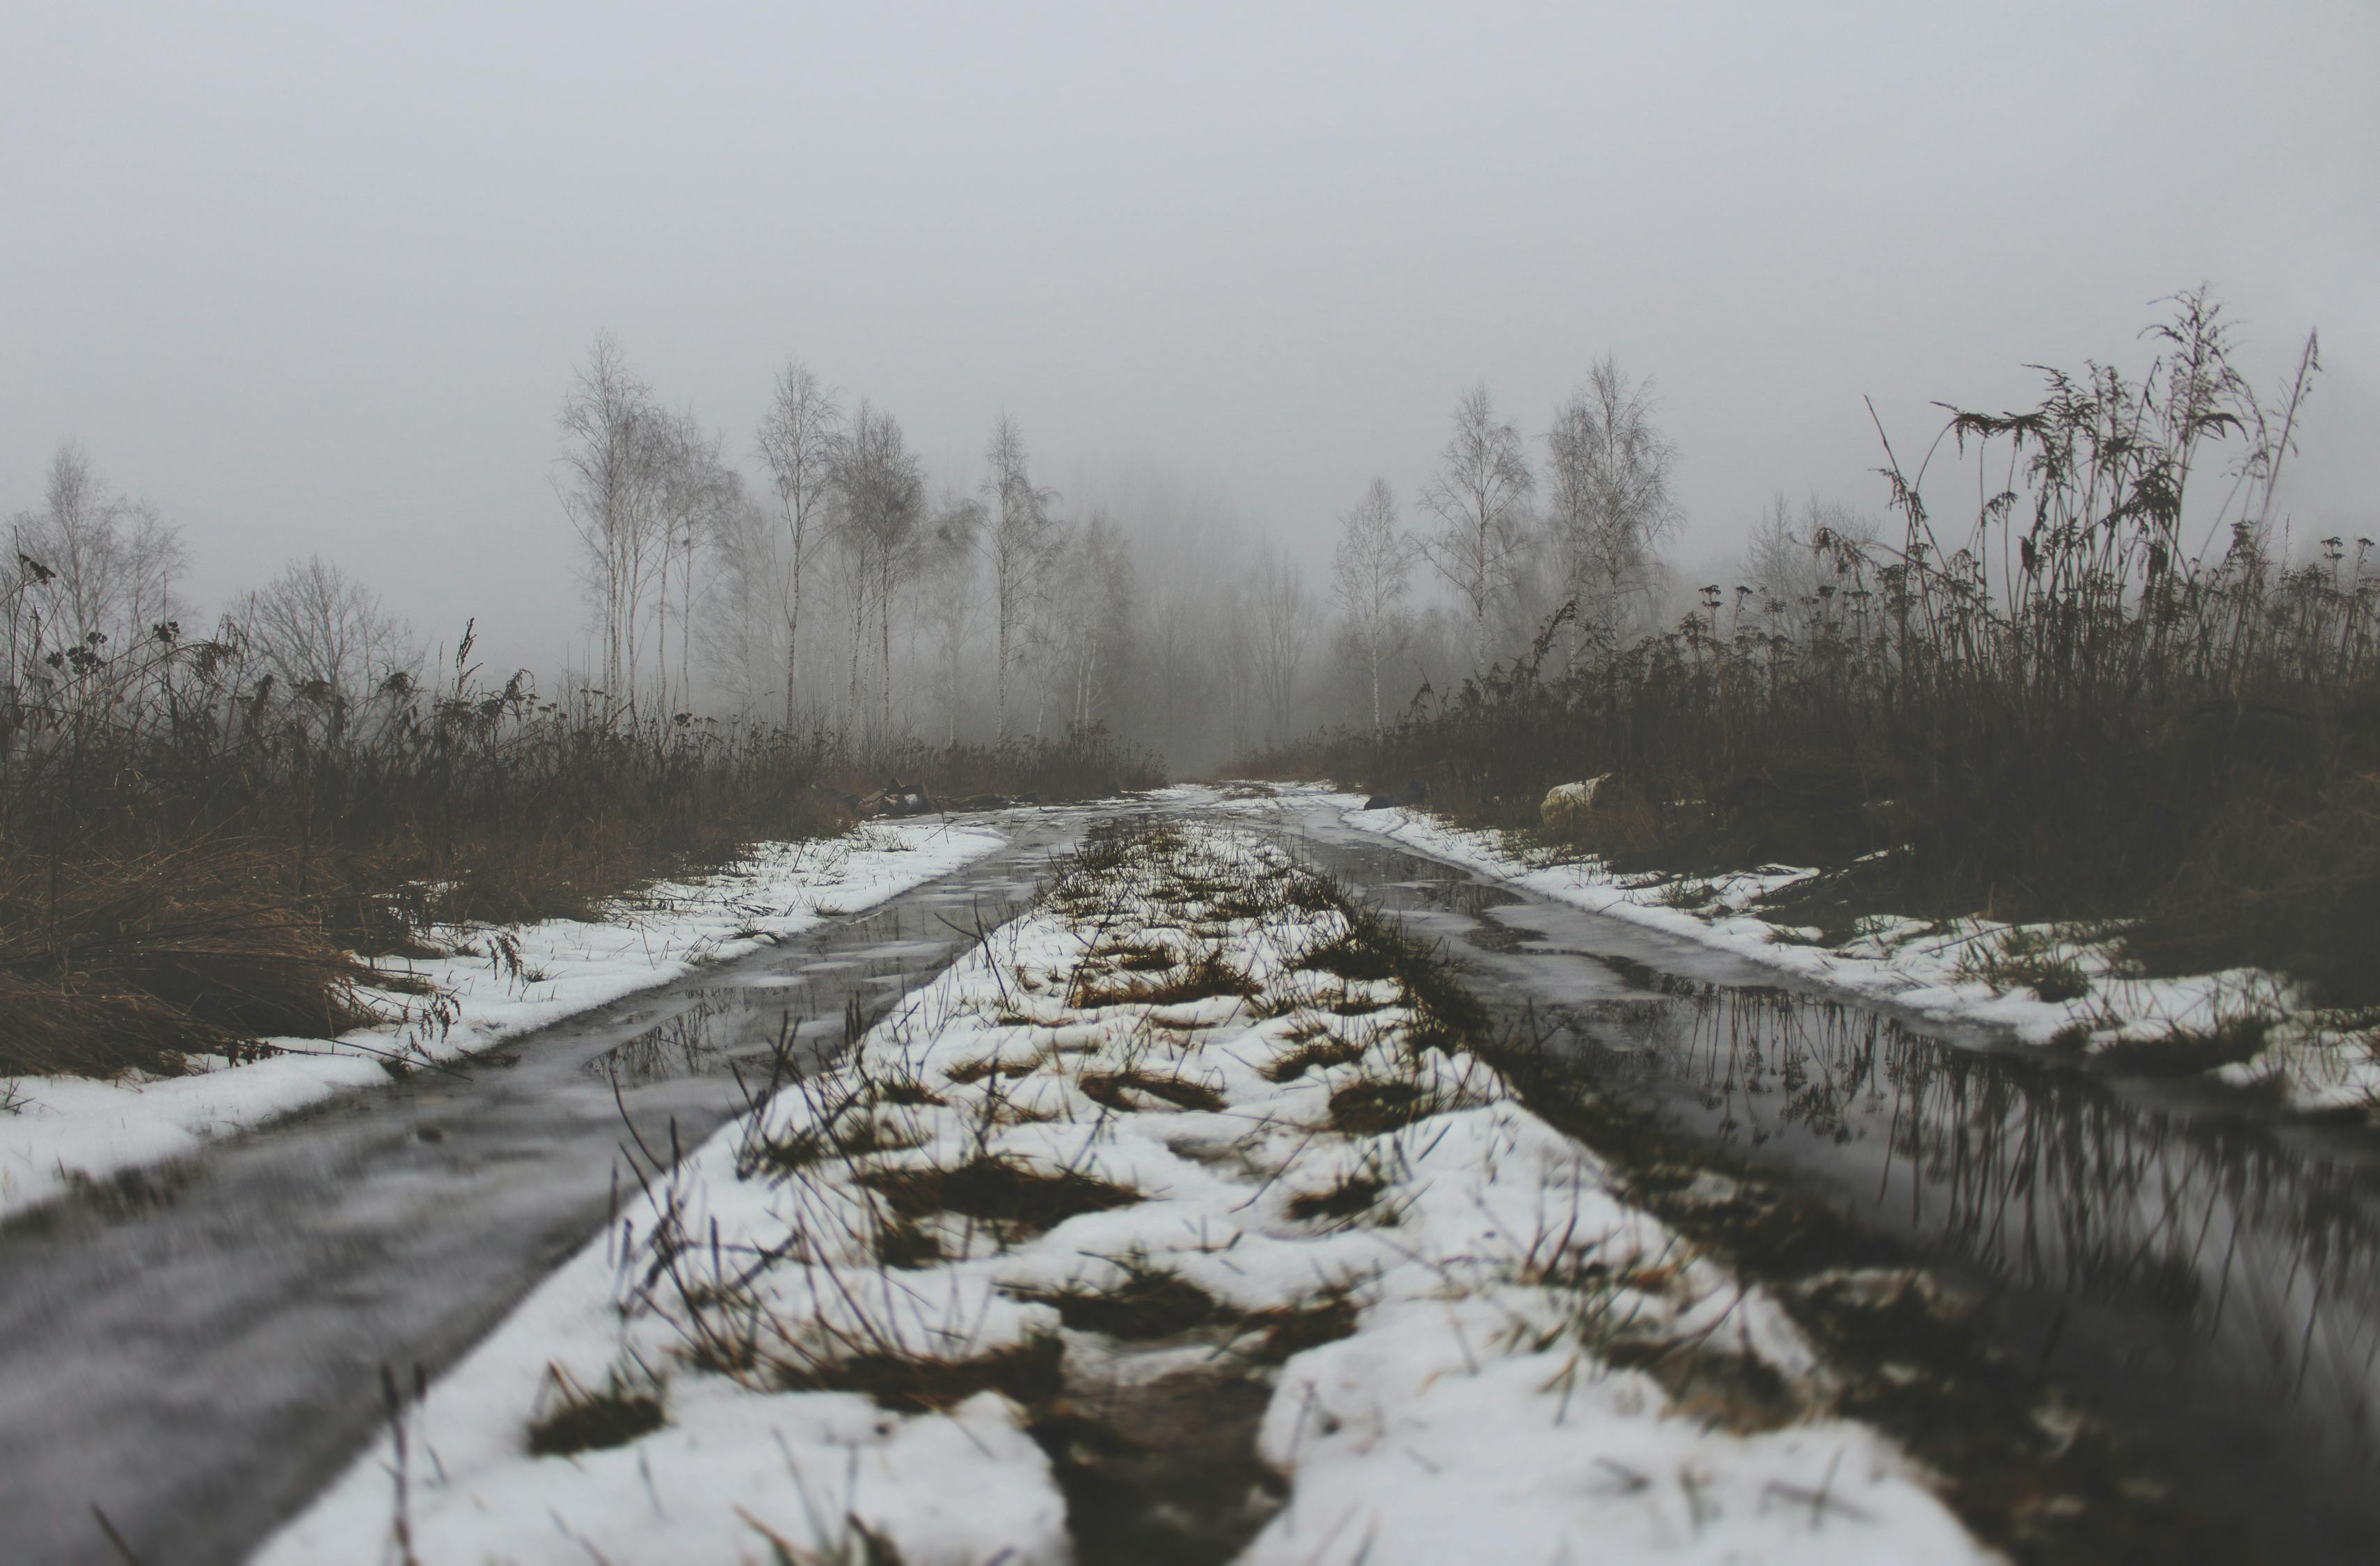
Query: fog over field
{"points": [[1296, 785], [316, 279]]}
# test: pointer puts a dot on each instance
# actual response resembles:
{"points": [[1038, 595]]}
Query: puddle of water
{"points": [[197, 1358], [739, 1026], [2225, 1252], [2209, 1270]]}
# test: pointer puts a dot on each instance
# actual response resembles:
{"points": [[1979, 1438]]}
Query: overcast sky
{"points": [[314, 276]]}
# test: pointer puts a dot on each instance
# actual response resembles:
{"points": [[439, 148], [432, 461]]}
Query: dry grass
{"points": [[188, 852], [1028, 1372], [571, 1418], [1118, 1091], [1150, 1303], [1006, 1196], [114, 963], [1203, 977], [2101, 693]]}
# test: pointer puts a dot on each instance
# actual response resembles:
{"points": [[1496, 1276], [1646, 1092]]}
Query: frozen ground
{"points": [[57, 1132], [1170, 1213], [2248, 1027]]}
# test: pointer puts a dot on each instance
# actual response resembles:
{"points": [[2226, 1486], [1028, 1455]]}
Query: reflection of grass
{"points": [[1907, 1353]]}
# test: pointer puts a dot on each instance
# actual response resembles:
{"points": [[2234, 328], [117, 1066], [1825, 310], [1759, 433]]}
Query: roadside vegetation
{"points": [[205, 840], [2105, 689]]}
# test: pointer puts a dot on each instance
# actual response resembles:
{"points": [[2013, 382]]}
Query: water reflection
{"points": [[735, 1026], [2258, 1260], [2205, 1261], [721, 1027]]}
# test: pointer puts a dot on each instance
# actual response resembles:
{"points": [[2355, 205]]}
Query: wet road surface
{"points": [[2204, 1272], [196, 1351], [199, 1351]]}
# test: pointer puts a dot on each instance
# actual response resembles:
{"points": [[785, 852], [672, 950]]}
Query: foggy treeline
{"points": [[813, 574], [818, 575]]}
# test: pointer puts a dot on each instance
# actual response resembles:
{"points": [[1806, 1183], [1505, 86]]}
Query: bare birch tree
{"points": [[608, 483], [798, 440], [954, 606], [696, 495], [1374, 572], [743, 625], [883, 491], [1480, 495], [1284, 629], [1089, 622], [1016, 544], [1608, 481]]}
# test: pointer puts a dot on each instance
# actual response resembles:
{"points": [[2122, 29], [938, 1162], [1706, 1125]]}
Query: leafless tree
{"points": [[742, 626], [610, 469], [1373, 572], [1089, 619], [93, 568], [1237, 676], [954, 606], [322, 632], [881, 491], [798, 440], [698, 496], [1016, 544], [1283, 623], [1785, 564], [1608, 481], [1480, 495]]}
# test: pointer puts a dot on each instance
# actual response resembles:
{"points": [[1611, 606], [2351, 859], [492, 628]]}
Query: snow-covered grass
{"points": [[1175, 1215], [2057, 984], [496, 985]]}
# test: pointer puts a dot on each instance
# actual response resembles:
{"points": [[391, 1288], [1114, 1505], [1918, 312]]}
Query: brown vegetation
{"points": [[2074, 705], [192, 852]]}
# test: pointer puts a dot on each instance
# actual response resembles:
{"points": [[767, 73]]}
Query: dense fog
{"points": [[317, 288]]}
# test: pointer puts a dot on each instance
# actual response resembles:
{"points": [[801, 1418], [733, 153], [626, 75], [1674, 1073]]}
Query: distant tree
{"points": [[320, 631], [1088, 624], [882, 491], [1610, 504], [1480, 495], [1016, 543], [1373, 572], [743, 626], [798, 440], [1284, 629], [94, 569], [1785, 563], [953, 604], [610, 467], [698, 496]]}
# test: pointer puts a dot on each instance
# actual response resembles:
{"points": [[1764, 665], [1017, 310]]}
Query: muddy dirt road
{"points": [[194, 1351]]}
